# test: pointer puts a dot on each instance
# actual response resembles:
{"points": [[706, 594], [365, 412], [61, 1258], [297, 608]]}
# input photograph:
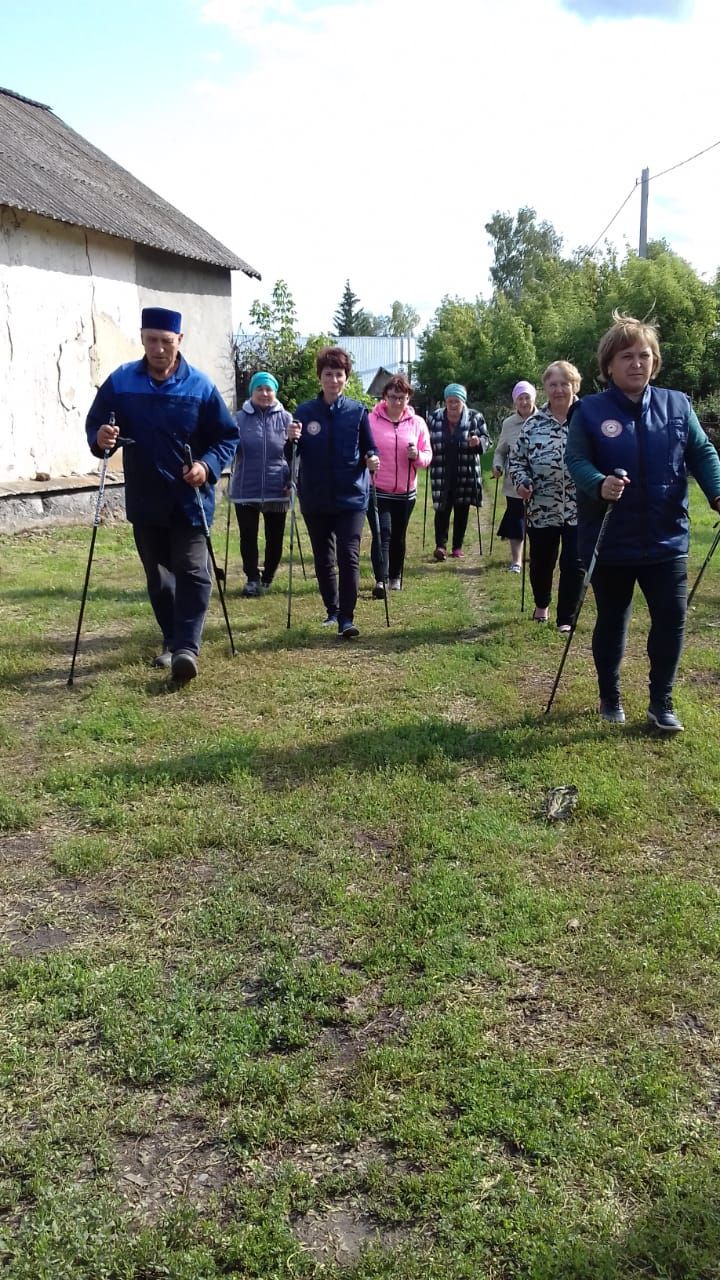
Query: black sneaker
{"points": [[184, 666], [347, 630], [661, 716], [378, 591], [163, 659], [253, 587], [611, 709]]}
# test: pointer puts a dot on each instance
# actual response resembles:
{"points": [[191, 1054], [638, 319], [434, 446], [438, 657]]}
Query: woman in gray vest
{"points": [[260, 483]]}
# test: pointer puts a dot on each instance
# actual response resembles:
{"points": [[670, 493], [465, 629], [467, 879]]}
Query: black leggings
{"points": [[335, 538], [664, 587], [460, 512], [248, 519], [388, 559], [544, 547]]}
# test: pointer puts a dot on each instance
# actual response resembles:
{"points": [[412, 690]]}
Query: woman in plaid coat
{"points": [[458, 437]]}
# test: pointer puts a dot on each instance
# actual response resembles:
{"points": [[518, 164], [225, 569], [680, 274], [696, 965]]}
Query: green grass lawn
{"points": [[297, 980]]}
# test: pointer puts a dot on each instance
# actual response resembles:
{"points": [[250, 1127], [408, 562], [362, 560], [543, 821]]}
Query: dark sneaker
{"points": [[440, 553], [163, 659], [330, 620], [184, 665], [347, 630], [611, 709], [378, 591], [253, 587], [661, 716]]}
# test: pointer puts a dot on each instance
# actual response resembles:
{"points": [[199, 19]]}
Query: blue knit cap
{"points": [[263, 379], [161, 318], [455, 389]]}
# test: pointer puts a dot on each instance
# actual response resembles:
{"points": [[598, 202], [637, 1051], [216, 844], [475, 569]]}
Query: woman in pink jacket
{"points": [[403, 444]]}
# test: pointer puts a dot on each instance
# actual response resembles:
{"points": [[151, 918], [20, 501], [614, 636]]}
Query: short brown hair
{"points": [[333, 358], [399, 383], [624, 333], [571, 373]]}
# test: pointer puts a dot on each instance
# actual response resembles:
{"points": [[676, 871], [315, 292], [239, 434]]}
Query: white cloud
{"points": [[374, 140]]}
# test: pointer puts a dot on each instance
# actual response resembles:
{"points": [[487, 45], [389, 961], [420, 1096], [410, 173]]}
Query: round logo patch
{"points": [[611, 428], [314, 428]]}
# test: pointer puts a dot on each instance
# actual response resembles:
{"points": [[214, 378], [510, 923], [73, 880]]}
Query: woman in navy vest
{"points": [[337, 454], [654, 436]]}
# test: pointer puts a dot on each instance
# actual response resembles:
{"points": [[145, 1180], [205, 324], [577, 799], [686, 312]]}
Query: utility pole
{"points": [[645, 183]]}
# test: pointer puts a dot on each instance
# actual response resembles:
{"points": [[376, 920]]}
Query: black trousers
{"points": [[248, 519], [460, 512], [175, 560], [389, 557], [335, 540], [664, 587], [544, 547]]}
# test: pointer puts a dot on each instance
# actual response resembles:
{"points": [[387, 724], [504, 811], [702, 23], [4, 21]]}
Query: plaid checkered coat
{"points": [[468, 484]]}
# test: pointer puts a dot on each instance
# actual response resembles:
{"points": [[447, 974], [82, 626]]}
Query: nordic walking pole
{"points": [[96, 522], [478, 487], [427, 486], [705, 564], [119, 440], [525, 540], [621, 475], [300, 550], [227, 529], [211, 553], [376, 523], [407, 520], [293, 495], [492, 527]]}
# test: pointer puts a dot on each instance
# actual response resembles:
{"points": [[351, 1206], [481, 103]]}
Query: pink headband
{"points": [[523, 389]]}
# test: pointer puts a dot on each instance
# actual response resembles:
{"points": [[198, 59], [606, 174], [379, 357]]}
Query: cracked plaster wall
{"points": [[70, 304]]}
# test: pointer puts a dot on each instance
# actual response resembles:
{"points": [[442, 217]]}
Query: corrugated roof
{"points": [[48, 169]]}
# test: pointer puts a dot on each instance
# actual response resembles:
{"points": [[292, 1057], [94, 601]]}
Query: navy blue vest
{"points": [[648, 440]]}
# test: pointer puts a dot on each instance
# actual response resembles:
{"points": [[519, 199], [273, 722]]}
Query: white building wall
{"points": [[70, 304]]}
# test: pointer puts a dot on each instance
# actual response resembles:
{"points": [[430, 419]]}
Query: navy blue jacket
{"points": [[336, 439], [655, 440], [261, 474], [162, 417]]}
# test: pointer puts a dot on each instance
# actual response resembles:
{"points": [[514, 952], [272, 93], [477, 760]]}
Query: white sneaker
{"points": [[395, 584]]}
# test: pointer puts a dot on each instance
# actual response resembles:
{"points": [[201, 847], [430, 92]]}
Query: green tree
{"points": [[403, 320], [448, 346], [274, 344], [520, 246], [665, 288], [350, 320]]}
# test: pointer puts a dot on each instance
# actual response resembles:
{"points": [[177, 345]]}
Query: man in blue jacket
{"points": [[337, 451], [163, 404]]}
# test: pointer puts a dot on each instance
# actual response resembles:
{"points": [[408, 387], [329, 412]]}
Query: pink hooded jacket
{"points": [[391, 441]]}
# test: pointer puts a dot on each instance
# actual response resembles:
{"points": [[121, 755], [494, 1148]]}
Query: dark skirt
{"points": [[512, 524]]}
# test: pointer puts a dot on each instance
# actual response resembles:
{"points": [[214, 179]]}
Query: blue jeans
{"points": [[175, 560], [664, 586]]}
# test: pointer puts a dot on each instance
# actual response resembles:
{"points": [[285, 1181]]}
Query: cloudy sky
{"points": [[373, 139]]}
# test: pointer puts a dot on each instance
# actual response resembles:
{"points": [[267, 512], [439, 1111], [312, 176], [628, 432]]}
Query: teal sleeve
{"points": [[702, 459], [578, 460]]}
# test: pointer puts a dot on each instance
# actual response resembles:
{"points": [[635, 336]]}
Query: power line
{"points": [[680, 163], [652, 178], [630, 193]]}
